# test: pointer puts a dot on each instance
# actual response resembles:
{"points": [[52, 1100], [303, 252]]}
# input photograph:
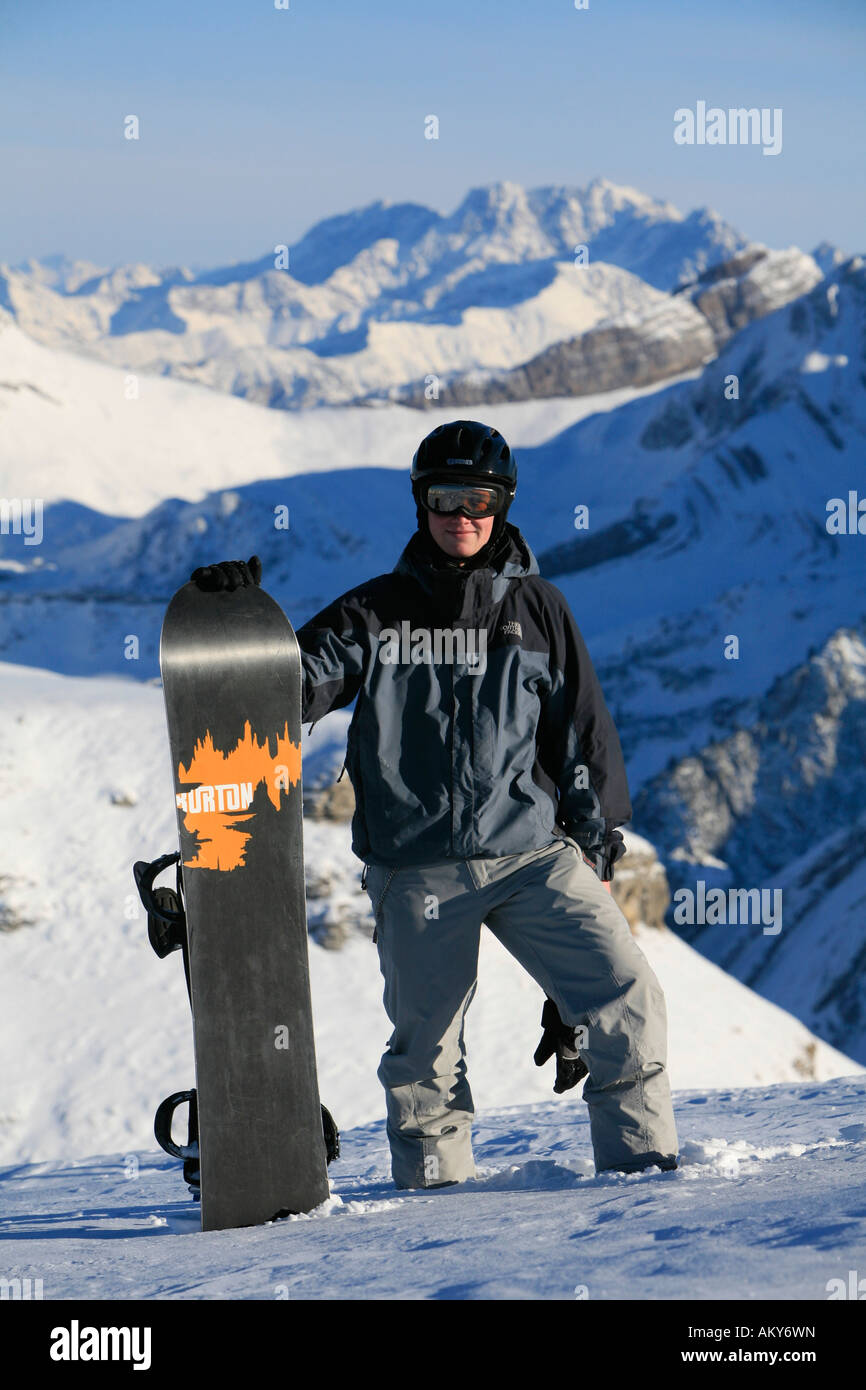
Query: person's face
{"points": [[459, 536]]}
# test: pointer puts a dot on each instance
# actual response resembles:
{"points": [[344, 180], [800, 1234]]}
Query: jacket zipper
{"points": [[378, 906], [453, 769]]}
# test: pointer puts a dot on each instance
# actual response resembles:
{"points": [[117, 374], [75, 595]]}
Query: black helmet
{"points": [[465, 449]]}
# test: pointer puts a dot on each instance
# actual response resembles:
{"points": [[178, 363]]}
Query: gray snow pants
{"points": [[552, 914]]}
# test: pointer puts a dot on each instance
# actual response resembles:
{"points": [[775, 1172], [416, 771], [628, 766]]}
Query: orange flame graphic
{"points": [[226, 781]]}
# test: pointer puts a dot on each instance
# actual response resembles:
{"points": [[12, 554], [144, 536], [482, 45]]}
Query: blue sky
{"points": [[256, 122]]}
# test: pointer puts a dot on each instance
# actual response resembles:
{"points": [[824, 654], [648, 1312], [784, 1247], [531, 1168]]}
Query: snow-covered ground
{"points": [[768, 1203]]}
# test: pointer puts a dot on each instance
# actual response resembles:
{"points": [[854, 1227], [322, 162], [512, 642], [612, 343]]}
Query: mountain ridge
{"points": [[376, 296]]}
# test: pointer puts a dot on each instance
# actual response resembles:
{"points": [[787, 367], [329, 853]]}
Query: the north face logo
{"points": [[511, 629]]}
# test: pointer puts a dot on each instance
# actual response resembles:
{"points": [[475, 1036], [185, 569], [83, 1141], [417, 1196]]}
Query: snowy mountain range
{"points": [[372, 302]]}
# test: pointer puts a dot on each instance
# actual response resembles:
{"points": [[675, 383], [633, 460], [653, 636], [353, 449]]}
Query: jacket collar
{"points": [[467, 594]]}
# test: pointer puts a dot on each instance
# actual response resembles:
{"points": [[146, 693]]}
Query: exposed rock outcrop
{"points": [[674, 337]]}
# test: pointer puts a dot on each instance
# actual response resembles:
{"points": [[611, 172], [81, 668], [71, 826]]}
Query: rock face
{"points": [[336, 801], [757, 797], [675, 336], [751, 286], [640, 885], [774, 810]]}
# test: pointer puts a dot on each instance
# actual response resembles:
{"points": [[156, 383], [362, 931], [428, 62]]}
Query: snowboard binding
{"points": [[166, 930], [189, 1151]]}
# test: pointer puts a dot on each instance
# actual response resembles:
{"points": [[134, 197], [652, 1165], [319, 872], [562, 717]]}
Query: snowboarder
{"points": [[489, 785]]}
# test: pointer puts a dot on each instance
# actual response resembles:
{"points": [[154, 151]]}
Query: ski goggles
{"points": [[476, 500]]}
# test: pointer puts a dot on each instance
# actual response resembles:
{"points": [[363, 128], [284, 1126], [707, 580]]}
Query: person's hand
{"points": [[559, 1038], [228, 574]]}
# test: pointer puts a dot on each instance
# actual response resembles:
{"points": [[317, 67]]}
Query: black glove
{"points": [[602, 857], [614, 849], [559, 1038], [228, 574]]}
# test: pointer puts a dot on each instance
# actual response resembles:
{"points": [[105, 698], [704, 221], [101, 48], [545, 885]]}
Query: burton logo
{"points": [[222, 785]]}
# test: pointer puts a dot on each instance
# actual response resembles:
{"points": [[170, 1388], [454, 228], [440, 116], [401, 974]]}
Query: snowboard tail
{"points": [[166, 929]]}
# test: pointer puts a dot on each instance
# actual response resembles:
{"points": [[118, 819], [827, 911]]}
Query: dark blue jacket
{"points": [[450, 759]]}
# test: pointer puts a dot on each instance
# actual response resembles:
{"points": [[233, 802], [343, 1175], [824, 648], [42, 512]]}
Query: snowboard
{"points": [[231, 672]]}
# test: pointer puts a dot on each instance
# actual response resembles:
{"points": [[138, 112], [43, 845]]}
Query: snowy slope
{"points": [[99, 1027], [69, 430], [767, 1204]]}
